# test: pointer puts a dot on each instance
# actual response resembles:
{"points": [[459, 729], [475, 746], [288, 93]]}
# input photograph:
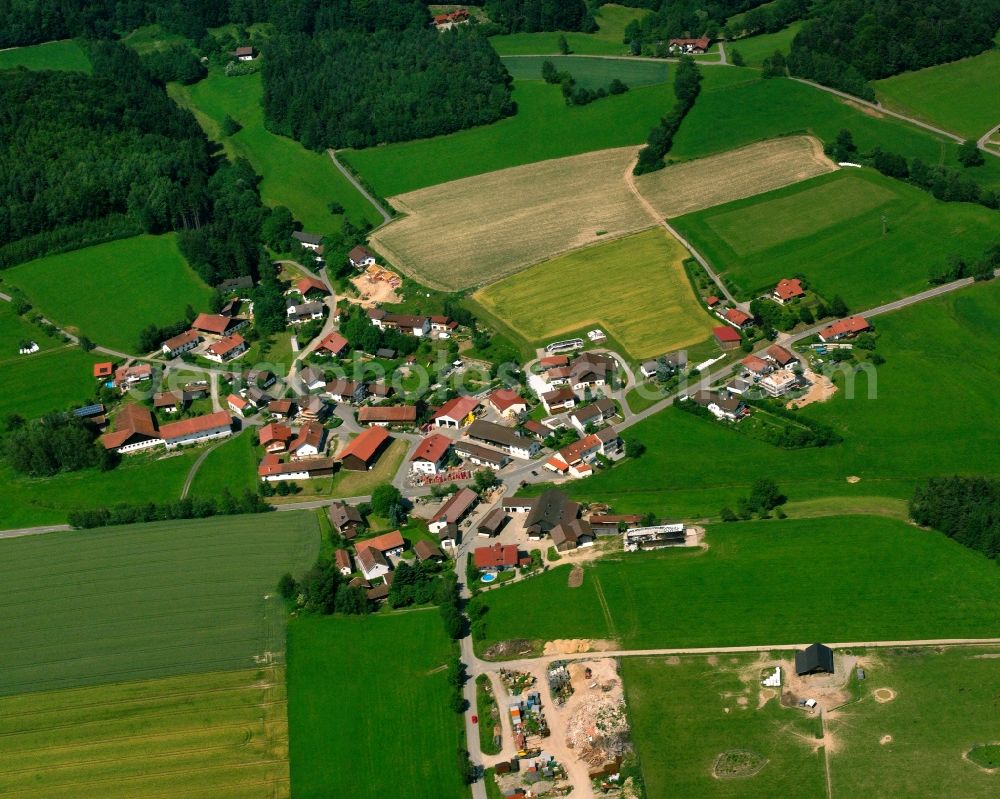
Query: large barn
{"points": [[815, 659]]}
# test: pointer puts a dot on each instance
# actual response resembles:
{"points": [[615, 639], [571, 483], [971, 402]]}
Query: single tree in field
{"points": [[563, 45], [969, 154], [230, 127], [737, 58], [838, 307]]}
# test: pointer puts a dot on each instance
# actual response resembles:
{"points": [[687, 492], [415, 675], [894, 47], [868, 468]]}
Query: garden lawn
{"points": [[305, 182], [368, 708], [148, 600], [231, 465], [648, 307], [110, 292], [544, 127], [63, 56], [692, 467], [591, 73], [829, 229], [780, 582], [607, 40], [729, 116], [945, 705], [218, 734], [755, 49], [954, 96], [685, 714]]}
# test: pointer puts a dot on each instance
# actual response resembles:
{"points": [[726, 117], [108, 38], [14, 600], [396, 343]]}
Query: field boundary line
{"points": [[386, 216]]}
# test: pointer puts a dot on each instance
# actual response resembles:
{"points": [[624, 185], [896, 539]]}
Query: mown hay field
{"points": [[954, 96], [149, 600], [694, 185], [634, 288], [476, 230], [368, 707], [853, 232], [222, 734]]}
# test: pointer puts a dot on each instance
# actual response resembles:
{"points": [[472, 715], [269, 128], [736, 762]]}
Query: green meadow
{"points": [[305, 182], [944, 707], [607, 40], [110, 292], [928, 417], [729, 116], [953, 96], [779, 582], [685, 713], [755, 49], [544, 127], [63, 56], [368, 708], [150, 600], [590, 73], [231, 465], [830, 229]]}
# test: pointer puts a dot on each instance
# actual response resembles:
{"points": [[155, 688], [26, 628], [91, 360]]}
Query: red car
{"points": [[475, 719]]}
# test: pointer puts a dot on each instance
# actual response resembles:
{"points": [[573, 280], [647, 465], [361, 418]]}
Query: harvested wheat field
{"points": [[696, 185], [475, 230]]}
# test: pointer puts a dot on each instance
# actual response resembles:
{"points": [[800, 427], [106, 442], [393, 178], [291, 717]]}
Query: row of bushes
{"points": [[687, 85]]}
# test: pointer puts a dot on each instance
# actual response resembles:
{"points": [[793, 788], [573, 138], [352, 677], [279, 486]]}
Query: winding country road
{"points": [[386, 216]]}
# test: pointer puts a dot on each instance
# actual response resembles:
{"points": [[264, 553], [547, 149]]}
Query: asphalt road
{"points": [[386, 216]]}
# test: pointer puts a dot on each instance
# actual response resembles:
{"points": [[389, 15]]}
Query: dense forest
{"points": [[846, 43], [89, 158], [964, 508], [344, 89], [87, 153], [529, 16], [683, 18]]}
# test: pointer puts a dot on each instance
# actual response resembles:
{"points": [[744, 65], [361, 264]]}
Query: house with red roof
{"points": [[225, 349], [102, 371], [430, 455], [198, 429], [311, 285], [216, 324], [273, 469], [363, 452], [756, 366], [135, 429], [736, 318], [387, 415], [455, 412], [275, 437], [495, 558], [238, 405], [845, 328], [726, 337], [454, 509], [333, 344], [787, 290], [711, 301], [308, 442], [508, 402], [780, 355]]}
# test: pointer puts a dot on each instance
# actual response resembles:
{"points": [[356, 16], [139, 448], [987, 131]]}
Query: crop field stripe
{"points": [[653, 309]]}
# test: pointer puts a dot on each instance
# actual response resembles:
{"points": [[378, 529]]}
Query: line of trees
{"points": [[687, 85], [226, 504], [956, 267], [530, 16], [579, 95], [342, 88], [946, 184], [964, 508], [846, 43]]}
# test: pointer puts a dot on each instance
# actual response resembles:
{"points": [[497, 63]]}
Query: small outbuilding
{"points": [[815, 659]]}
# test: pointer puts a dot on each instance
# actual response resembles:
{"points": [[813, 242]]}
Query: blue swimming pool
{"points": [[489, 577]]}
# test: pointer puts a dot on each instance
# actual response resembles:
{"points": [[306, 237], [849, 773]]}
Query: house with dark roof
{"points": [[455, 508], [596, 413], [493, 522], [425, 550], [134, 429], [506, 439], [690, 46], [360, 257], [481, 456], [343, 390], [559, 399], [182, 343], [548, 509], [730, 409], [311, 241], [346, 519], [814, 659], [571, 534]]}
